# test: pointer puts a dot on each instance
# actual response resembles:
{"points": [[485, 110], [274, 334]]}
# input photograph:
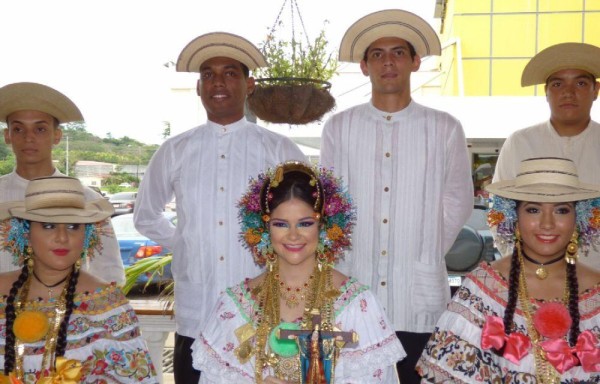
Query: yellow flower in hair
{"points": [[335, 232], [31, 326], [251, 237], [595, 219], [495, 218]]}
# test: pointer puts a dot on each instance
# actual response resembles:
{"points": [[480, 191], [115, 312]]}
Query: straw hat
{"points": [[545, 180], [389, 23], [37, 97], [219, 44], [57, 200], [557, 57]]}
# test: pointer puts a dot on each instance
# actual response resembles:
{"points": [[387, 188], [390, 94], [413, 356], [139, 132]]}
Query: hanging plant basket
{"points": [[291, 100]]}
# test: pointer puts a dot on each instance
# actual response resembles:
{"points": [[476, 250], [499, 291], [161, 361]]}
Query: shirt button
{"points": [[220, 222], [386, 189], [224, 130], [385, 221], [222, 156], [383, 283], [387, 154], [383, 253], [222, 189], [222, 258]]}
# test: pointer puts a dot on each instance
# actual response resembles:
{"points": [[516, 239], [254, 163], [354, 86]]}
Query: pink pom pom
{"points": [[552, 320]]}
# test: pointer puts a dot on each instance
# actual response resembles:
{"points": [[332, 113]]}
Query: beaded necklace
{"points": [[293, 295], [320, 297]]}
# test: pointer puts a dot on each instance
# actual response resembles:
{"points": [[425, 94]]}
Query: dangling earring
{"points": [[571, 254], [77, 265], [29, 262], [321, 260], [271, 260]]}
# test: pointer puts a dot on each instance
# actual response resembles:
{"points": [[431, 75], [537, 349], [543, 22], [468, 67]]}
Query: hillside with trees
{"points": [[83, 145]]}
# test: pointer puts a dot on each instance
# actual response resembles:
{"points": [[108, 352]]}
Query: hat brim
{"points": [[389, 23], [543, 192], [37, 97], [219, 44], [558, 57], [93, 212]]}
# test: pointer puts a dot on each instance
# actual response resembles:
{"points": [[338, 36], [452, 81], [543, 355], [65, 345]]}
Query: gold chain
{"points": [[320, 296], [544, 371], [52, 336]]}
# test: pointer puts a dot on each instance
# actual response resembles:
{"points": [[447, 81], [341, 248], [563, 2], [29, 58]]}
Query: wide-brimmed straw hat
{"points": [[545, 180], [389, 23], [37, 97], [57, 199], [219, 44], [557, 57]]}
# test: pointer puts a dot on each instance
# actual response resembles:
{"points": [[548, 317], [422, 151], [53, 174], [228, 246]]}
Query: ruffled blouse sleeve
{"points": [[213, 351], [374, 358]]}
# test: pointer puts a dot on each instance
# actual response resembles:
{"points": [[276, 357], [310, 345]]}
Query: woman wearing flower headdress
{"points": [[301, 321], [59, 324], [532, 316]]}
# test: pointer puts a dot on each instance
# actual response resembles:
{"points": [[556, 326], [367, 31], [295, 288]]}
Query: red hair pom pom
{"points": [[552, 320]]}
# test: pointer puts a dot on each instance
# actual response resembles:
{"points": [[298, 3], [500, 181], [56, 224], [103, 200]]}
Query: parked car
{"points": [[97, 190], [134, 246], [123, 202], [473, 245]]}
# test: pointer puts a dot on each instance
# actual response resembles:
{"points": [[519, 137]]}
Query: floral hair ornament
{"points": [[55, 199], [544, 180], [333, 204], [502, 219], [14, 234]]}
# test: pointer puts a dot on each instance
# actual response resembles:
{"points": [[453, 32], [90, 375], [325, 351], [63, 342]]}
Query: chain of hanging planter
{"points": [[294, 89]]}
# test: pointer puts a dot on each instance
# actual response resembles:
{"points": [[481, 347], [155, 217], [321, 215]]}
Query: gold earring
{"points": [[571, 254], [271, 260]]}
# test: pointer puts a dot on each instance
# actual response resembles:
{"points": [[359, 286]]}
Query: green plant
{"points": [[295, 59], [155, 266]]}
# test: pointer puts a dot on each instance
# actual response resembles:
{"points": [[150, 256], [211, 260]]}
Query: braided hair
{"points": [[513, 291], [573, 285], [11, 315], [61, 342]]}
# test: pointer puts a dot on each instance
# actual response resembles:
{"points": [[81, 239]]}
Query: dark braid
{"points": [[61, 343], [513, 290], [573, 303], [9, 347]]}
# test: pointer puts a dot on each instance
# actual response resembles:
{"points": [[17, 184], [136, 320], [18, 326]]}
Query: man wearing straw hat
{"points": [[568, 72], [207, 169], [408, 171], [33, 114]]}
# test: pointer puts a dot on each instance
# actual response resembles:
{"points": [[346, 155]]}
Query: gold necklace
{"points": [[291, 295], [52, 335], [320, 295], [541, 272], [544, 371]]}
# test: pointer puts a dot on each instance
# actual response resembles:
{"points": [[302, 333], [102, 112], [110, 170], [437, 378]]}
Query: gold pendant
{"points": [[541, 273]]}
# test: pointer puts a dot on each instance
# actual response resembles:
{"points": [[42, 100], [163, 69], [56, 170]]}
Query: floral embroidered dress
{"points": [[103, 335], [454, 353], [373, 360]]}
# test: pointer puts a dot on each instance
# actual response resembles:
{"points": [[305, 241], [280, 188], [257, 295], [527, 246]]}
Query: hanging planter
{"points": [[294, 89], [291, 100]]}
